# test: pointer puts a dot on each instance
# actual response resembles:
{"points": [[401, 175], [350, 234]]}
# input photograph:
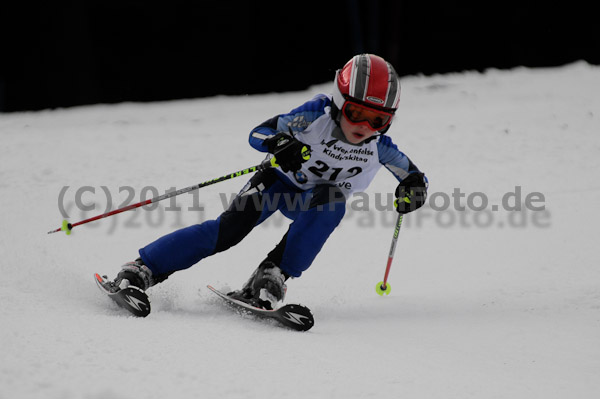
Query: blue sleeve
{"points": [[394, 159], [297, 120], [259, 134]]}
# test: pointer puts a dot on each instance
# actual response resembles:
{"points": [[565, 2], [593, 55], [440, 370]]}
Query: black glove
{"points": [[411, 193], [289, 153]]}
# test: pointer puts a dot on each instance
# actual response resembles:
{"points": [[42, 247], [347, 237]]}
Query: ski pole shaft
{"points": [[392, 250], [383, 287], [268, 163]]}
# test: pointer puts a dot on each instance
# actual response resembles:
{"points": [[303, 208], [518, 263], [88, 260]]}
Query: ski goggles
{"points": [[358, 114]]}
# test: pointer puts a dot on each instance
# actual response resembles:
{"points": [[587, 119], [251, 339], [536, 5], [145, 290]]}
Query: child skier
{"points": [[326, 149]]}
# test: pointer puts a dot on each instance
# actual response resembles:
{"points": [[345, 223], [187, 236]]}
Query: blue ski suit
{"points": [[314, 197]]}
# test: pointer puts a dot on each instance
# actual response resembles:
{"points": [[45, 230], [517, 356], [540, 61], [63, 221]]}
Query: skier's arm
{"points": [[288, 151], [411, 192], [394, 160], [263, 132], [297, 120]]}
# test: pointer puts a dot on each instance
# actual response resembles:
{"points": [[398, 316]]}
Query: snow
{"points": [[484, 304]]}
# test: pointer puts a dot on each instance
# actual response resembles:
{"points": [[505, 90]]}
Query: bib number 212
{"points": [[321, 169]]}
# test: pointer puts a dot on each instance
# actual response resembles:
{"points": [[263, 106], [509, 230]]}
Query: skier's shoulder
{"points": [[303, 116], [313, 108], [316, 104]]}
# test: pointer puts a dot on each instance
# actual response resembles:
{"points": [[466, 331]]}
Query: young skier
{"points": [[326, 149]]}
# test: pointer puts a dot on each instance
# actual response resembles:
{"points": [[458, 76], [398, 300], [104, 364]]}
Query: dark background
{"points": [[61, 54]]}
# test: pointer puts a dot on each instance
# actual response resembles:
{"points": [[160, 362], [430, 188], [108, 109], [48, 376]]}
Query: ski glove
{"points": [[411, 193], [288, 151]]}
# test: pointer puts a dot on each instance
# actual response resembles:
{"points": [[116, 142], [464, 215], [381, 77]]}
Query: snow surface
{"points": [[483, 305]]}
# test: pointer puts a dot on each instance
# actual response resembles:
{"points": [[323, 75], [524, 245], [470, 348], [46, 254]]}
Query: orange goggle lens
{"points": [[358, 114]]}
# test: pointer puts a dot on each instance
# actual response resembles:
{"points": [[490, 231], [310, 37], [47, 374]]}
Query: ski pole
{"points": [[267, 163], [383, 287]]}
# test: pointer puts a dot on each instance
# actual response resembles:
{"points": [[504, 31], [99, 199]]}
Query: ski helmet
{"points": [[369, 80]]}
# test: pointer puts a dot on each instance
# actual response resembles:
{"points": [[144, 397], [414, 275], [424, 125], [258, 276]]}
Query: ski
{"points": [[296, 317], [131, 298]]}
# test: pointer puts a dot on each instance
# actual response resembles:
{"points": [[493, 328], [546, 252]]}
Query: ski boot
{"points": [[266, 287], [128, 289], [134, 273]]}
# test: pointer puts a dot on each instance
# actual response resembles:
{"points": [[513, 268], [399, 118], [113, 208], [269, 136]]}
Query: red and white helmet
{"points": [[369, 80]]}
